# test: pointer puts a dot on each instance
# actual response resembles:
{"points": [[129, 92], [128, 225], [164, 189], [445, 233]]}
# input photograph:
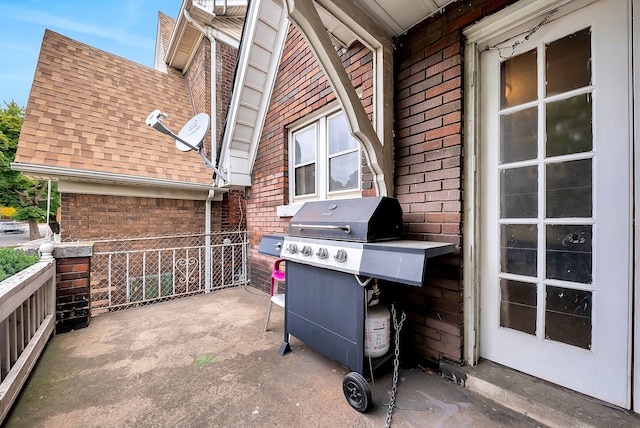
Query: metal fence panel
{"points": [[130, 272]]}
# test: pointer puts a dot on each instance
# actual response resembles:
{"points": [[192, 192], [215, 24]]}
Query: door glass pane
{"points": [[340, 138], [343, 171], [518, 79], [569, 126], [518, 305], [569, 189], [569, 253], [569, 62], [568, 316], [305, 145], [518, 249], [306, 180], [519, 135], [519, 192]]}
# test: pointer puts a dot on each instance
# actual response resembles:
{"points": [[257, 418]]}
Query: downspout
{"points": [[207, 242], [214, 132]]}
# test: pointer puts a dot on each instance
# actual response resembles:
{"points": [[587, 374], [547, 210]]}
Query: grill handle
{"points": [[346, 228]]}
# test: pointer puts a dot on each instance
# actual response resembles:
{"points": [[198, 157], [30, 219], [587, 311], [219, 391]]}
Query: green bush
{"points": [[13, 261]]}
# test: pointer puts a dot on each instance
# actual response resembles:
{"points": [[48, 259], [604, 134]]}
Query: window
{"points": [[324, 159]]}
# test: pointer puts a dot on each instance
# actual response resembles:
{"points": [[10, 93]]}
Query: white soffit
{"points": [[259, 58], [186, 36], [340, 35], [397, 16]]}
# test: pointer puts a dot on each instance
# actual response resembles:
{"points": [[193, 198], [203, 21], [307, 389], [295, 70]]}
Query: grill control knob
{"points": [[306, 251], [292, 248], [322, 253], [341, 256]]}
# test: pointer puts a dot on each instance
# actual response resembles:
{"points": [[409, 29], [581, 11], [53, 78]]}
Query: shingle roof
{"points": [[87, 110]]}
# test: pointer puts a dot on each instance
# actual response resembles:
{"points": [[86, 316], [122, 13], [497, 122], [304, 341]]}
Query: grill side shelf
{"points": [[271, 245], [400, 261]]}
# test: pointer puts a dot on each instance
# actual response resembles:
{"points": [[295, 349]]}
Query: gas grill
{"points": [[333, 251]]}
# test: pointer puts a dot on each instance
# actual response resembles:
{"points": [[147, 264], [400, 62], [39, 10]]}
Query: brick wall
{"points": [[225, 68], [198, 78], [428, 176], [300, 89], [99, 216], [233, 209], [72, 293]]}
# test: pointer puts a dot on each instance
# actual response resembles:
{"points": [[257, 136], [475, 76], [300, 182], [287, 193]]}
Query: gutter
{"points": [[88, 175]]}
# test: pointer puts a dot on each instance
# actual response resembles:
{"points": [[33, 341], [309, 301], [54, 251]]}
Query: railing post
{"points": [[72, 301], [46, 251]]}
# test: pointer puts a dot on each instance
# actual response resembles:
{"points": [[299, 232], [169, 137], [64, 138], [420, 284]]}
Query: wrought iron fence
{"points": [[130, 272]]}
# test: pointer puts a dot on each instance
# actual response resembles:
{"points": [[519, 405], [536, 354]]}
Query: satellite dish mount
{"points": [[190, 137]]}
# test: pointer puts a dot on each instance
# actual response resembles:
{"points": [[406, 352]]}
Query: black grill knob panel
{"points": [[306, 251], [292, 248], [341, 256], [322, 253]]}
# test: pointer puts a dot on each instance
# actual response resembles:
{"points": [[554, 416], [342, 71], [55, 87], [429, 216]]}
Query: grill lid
{"points": [[369, 219]]}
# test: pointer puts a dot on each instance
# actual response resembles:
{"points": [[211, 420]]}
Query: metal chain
{"points": [[396, 361], [517, 43]]}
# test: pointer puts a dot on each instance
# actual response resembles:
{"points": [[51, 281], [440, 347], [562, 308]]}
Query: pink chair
{"points": [[278, 298]]}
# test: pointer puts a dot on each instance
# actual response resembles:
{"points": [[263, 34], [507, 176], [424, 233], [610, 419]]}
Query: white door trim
{"points": [[635, 43], [478, 36]]}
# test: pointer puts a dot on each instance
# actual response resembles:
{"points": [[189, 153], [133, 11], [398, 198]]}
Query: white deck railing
{"points": [[127, 273], [27, 320]]}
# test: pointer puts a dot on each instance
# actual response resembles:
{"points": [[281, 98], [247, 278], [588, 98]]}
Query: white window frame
{"points": [[320, 119]]}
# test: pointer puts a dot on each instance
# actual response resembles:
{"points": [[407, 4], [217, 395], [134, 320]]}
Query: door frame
{"points": [[504, 23], [635, 84]]}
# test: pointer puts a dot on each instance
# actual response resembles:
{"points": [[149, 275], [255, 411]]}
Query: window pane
{"points": [[518, 245], [569, 63], [343, 171], [569, 253], [306, 180], [519, 79], [519, 136], [518, 303], [519, 192], [569, 126], [305, 145], [569, 189], [568, 316], [340, 138]]}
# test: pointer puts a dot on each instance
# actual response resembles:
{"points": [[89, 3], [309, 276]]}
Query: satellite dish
{"points": [[193, 132]]}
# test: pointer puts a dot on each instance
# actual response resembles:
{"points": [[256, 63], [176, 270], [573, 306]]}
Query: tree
{"points": [[16, 190]]}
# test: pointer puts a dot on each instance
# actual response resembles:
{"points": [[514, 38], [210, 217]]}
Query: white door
{"points": [[555, 209]]}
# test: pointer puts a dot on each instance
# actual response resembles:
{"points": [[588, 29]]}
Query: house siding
{"points": [[428, 156], [226, 57], [233, 208], [300, 89], [429, 82], [86, 217], [198, 78]]}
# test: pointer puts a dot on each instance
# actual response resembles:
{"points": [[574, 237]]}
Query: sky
{"points": [[126, 28]]}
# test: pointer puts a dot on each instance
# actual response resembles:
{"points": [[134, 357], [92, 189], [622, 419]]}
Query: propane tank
{"points": [[377, 328]]}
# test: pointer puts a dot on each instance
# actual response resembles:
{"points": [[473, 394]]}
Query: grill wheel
{"points": [[356, 391]]}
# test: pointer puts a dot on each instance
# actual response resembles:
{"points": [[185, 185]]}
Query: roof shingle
{"points": [[87, 111]]}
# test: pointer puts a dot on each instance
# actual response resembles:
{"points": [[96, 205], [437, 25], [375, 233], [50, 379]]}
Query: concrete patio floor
{"points": [[205, 361]]}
